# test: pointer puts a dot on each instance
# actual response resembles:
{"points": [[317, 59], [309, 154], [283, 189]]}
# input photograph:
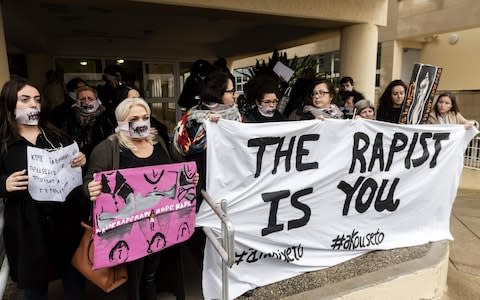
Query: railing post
{"points": [[472, 154], [226, 248]]}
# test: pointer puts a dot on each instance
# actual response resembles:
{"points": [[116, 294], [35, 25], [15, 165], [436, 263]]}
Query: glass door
{"points": [[162, 88]]}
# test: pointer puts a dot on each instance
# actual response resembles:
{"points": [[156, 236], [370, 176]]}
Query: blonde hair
{"points": [[121, 114]]}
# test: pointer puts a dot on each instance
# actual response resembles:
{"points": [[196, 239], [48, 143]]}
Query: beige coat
{"points": [[453, 118]]}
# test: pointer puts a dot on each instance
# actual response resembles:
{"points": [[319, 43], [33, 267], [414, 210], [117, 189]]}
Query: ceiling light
{"points": [[84, 63], [120, 61]]}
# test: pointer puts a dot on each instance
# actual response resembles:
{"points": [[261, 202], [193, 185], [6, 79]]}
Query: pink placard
{"points": [[142, 211]]}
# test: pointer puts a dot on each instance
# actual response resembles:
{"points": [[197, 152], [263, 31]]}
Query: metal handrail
{"points": [[472, 154], [226, 248]]}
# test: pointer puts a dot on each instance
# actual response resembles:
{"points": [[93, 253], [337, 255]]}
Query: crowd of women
{"points": [[41, 237]]}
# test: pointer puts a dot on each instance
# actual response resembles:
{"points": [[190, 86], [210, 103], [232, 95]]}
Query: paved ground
{"points": [[463, 274], [464, 268]]}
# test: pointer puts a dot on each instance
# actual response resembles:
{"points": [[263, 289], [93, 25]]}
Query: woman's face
{"points": [[269, 101], [444, 104], [229, 94], [349, 102], [398, 95], [28, 97], [321, 97], [368, 113], [87, 97], [137, 113]]}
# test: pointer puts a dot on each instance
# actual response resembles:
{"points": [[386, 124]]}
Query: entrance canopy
{"points": [[176, 28]]}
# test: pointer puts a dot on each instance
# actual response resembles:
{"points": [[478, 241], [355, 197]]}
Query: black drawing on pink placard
{"points": [[186, 175], [187, 191], [151, 226], [183, 231], [153, 178], [119, 252], [122, 188], [157, 242]]}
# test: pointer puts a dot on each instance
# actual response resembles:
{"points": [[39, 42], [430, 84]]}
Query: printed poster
{"points": [[420, 94], [141, 211]]}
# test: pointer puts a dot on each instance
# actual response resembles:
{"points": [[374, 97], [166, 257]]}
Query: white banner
{"points": [[311, 194], [50, 176]]}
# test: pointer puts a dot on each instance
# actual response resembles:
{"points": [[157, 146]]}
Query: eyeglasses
{"points": [[232, 91], [269, 102], [320, 93]]}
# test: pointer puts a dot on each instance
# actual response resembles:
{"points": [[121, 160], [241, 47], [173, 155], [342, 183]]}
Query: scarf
{"points": [[189, 134], [332, 112]]}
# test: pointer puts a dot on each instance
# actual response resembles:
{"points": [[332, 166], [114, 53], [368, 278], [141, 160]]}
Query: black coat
{"points": [[390, 116], [254, 116], [88, 136], [40, 237]]}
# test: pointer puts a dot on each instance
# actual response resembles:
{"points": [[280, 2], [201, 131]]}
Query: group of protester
{"points": [[41, 237]]}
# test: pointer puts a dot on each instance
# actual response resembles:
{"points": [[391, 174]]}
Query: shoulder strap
{"points": [[164, 147], [115, 152]]}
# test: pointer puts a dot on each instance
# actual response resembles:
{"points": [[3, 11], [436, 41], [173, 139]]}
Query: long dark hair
{"points": [[385, 103], [8, 103], [452, 97], [214, 87]]}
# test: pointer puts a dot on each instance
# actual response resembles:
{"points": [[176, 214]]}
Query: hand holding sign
{"points": [[79, 160], [17, 181], [94, 189]]}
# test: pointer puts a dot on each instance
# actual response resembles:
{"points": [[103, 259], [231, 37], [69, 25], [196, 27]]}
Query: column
{"points": [[358, 56], [391, 62]]}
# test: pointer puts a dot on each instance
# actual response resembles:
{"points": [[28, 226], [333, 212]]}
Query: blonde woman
{"points": [[132, 146]]}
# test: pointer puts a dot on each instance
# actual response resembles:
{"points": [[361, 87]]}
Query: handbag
{"points": [[107, 279]]}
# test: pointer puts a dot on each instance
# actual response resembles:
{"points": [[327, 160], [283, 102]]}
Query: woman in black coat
{"points": [[262, 91], [40, 236], [88, 122], [391, 101]]}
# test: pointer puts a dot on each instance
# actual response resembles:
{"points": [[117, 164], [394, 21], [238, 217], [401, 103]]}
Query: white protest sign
{"points": [[283, 71], [50, 176], [311, 194]]}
